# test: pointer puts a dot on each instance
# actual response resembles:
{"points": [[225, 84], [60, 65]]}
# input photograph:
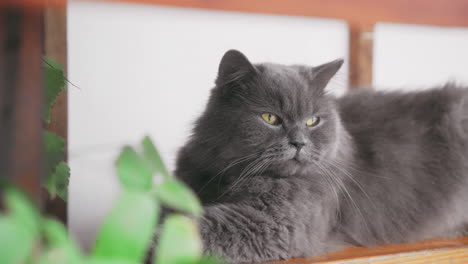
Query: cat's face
{"points": [[290, 125], [279, 118]]}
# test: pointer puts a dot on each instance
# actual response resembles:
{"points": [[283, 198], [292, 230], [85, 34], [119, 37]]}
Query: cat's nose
{"points": [[298, 144]]}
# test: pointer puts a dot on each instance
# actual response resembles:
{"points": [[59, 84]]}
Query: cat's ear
{"points": [[322, 74], [234, 66]]}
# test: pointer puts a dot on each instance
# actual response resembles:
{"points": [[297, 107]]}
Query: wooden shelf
{"points": [[435, 251]]}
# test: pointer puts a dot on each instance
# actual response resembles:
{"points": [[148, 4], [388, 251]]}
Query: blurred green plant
{"points": [[126, 235]]}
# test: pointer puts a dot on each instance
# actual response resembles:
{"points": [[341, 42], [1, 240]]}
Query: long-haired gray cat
{"points": [[285, 170]]}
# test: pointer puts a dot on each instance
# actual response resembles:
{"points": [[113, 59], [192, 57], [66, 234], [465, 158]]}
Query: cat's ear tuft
{"points": [[323, 73], [233, 66]]}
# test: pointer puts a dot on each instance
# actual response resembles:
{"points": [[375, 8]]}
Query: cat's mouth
{"points": [[296, 163], [298, 157]]}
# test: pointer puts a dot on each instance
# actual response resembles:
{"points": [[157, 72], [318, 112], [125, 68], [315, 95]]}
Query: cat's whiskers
{"points": [[329, 173], [340, 166], [247, 168], [358, 170], [254, 167], [335, 192], [252, 175], [351, 166], [234, 163], [354, 180], [230, 165]]}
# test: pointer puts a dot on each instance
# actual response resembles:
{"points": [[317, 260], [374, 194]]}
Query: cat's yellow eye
{"points": [[270, 119], [313, 121]]}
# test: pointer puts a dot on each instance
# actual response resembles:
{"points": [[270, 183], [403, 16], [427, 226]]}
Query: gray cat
{"points": [[285, 170]]}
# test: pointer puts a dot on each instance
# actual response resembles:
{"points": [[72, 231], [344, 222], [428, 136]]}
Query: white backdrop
{"points": [[417, 57], [147, 70]]}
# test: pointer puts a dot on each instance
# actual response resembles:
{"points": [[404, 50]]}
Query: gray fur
{"points": [[381, 167]]}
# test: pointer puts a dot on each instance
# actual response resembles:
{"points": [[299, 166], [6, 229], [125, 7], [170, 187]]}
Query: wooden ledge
{"points": [[436, 251]]}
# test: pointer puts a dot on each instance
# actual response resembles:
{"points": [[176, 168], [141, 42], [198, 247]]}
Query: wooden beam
{"points": [[427, 12], [5, 81], [22, 99], [360, 55]]}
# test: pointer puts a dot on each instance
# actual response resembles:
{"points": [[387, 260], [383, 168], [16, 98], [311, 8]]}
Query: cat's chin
{"points": [[291, 167]]}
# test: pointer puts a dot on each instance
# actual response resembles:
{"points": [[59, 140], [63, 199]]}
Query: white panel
{"points": [[417, 57], [147, 70]]}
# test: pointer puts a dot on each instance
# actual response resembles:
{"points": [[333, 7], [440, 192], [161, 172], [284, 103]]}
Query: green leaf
{"points": [[54, 151], [127, 231], [179, 242], [109, 261], [57, 182], [16, 242], [55, 233], [60, 255], [54, 83], [133, 171], [152, 155], [177, 195], [57, 171], [60, 247], [19, 231], [48, 62], [22, 211]]}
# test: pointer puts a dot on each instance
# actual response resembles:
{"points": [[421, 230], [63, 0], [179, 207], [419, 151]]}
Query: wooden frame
{"points": [[21, 99]]}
